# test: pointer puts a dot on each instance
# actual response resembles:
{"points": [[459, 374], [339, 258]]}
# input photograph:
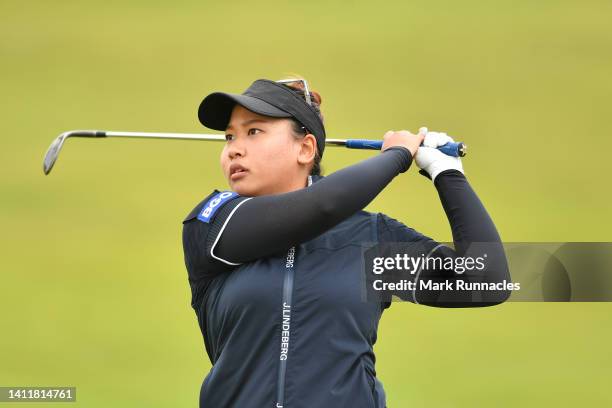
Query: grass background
{"points": [[93, 289]]}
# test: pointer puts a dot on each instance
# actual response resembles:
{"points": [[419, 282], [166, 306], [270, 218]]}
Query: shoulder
{"points": [[391, 229], [381, 227], [201, 229], [205, 223], [386, 221], [195, 211], [360, 219], [206, 209]]}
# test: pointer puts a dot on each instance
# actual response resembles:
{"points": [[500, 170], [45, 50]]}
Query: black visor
{"points": [[264, 97]]}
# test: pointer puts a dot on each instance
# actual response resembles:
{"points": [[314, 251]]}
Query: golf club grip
{"points": [[88, 133], [451, 148]]}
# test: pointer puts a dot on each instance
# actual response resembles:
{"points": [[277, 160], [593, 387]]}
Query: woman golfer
{"points": [[275, 261]]}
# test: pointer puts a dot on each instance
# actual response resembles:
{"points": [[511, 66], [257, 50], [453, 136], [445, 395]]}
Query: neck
{"points": [[300, 183]]}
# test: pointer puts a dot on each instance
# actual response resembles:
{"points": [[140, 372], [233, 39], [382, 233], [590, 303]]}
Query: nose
{"points": [[236, 148]]}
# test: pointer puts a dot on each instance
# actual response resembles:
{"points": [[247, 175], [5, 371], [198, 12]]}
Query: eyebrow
{"points": [[248, 122]]}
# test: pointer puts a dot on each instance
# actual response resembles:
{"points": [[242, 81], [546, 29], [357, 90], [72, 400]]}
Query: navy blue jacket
{"points": [[291, 330]]}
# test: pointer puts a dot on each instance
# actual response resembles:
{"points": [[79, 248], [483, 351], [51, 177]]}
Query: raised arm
{"points": [[255, 227], [472, 228], [260, 226]]}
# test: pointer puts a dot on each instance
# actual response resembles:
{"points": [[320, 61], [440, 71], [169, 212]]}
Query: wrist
{"points": [[447, 178], [436, 169], [406, 157]]}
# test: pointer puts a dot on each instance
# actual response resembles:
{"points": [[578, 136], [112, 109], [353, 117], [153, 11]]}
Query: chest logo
{"points": [[216, 202]]}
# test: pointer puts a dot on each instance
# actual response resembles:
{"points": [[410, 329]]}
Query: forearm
{"points": [[265, 225], [470, 223], [468, 218]]}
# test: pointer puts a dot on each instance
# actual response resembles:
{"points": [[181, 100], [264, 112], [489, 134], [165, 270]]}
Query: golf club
{"points": [[456, 149]]}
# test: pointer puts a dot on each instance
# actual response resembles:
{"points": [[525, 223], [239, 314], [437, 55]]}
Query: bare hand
{"points": [[403, 138]]}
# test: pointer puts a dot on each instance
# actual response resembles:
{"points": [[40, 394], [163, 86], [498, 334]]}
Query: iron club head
{"points": [[53, 152], [55, 147]]}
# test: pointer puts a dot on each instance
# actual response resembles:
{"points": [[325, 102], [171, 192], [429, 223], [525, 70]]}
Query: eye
{"points": [[253, 129], [228, 137]]}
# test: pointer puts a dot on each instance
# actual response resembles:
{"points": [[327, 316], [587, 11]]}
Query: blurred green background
{"points": [[93, 285]]}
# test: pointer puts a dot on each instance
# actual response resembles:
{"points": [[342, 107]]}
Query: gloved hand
{"points": [[430, 160]]}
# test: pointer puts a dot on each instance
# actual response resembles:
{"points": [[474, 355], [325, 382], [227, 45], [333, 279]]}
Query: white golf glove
{"points": [[430, 160]]}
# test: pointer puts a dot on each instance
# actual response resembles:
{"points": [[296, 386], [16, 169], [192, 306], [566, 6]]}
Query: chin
{"points": [[244, 189]]}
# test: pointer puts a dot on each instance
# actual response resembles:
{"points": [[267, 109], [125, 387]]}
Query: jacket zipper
{"points": [[286, 322], [285, 327]]}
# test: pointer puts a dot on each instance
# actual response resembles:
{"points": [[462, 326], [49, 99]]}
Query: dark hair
{"points": [[298, 130]]}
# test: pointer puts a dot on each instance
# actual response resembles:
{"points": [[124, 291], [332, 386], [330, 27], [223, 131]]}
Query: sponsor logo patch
{"points": [[214, 203]]}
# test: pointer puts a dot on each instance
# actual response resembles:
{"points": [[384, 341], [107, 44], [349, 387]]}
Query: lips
{"points": [[236, 171]]}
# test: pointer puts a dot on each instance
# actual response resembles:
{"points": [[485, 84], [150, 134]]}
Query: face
{"points": [[261, 156]]}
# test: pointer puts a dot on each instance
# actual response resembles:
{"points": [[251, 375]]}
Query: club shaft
{"points": [[195, 136], [452, 149], [156, 135]]}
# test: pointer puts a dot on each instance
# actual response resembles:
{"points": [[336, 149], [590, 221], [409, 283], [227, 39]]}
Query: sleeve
{"points": [[226, 229], [265, 225], [471, 226], [201, 229]]}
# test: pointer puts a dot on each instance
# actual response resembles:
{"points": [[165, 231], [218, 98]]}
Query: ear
{"points": [[308, 149]]}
